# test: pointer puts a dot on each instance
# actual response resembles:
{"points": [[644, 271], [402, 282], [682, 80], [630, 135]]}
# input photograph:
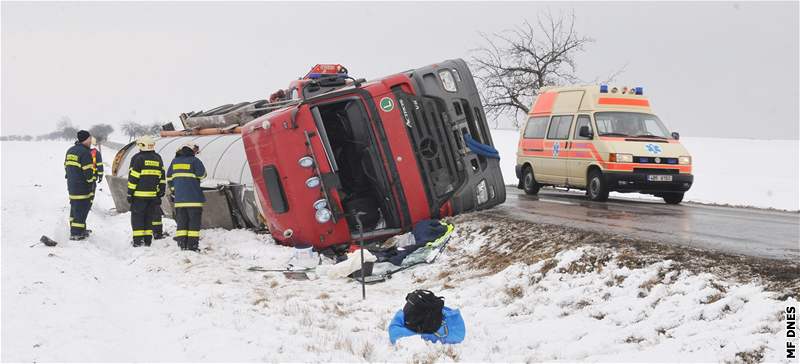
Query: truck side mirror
{"points": [[675, 135], [585, 132]]}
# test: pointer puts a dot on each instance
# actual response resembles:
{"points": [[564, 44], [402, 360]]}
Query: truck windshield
{"points": [[630, 124]]}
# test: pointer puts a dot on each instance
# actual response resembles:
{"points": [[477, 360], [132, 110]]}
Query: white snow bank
{"points": [[101, 300], [746, 172]]}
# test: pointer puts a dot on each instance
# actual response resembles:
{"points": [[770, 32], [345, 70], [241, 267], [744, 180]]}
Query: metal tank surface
{"points": [[230, 198]]}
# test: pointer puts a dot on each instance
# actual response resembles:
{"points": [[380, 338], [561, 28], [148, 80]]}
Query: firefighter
{"points": [[97, 164], [146, 186], [184, 176], [80, 184]]}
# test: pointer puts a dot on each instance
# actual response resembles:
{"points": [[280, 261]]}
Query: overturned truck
{"points": [[333, 159]]}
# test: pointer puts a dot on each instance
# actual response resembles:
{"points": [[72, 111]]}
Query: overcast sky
{"points": [[710, 69]]}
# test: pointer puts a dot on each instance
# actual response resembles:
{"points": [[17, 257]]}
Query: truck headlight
{"points": [[620, 158], [312, 182], [684, 159], [320, 204], [306, 162], [481, 192], [323, 215], [448, 82]]}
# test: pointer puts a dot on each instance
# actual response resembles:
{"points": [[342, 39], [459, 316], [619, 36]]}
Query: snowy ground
{"points": [[741, 172], [527, 293]]}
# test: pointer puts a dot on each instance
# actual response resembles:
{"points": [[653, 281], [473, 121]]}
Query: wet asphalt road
{"points": [[753, 232]]}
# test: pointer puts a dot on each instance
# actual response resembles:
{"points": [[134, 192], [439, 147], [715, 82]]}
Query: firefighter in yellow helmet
{"points": [[146, 186]]}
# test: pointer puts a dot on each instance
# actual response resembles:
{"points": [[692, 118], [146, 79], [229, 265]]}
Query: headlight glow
{"points": [[684, 159], [323, 215], [312, 182], [448, 82], [306, 162]]}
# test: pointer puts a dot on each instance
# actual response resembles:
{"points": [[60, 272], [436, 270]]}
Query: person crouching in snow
{"points": [[184, 176]]}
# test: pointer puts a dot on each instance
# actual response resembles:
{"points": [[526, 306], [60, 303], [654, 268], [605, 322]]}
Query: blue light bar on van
{"points": [[603, 89], [639, 91]]}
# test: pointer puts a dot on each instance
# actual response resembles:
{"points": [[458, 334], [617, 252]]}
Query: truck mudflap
{"points": [[228, 206]]}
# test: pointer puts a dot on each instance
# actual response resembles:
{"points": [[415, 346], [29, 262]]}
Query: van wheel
{"points": [[673, 198], [529, 183], [597, 190]]}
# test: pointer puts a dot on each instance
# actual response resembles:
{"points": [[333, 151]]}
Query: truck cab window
{"points": [[347, 128]]}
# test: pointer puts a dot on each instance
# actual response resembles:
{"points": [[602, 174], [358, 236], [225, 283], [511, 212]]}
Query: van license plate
{"points": [[659, 178]]}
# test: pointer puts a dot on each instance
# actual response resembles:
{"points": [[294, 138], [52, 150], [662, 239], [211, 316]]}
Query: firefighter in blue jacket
{"points": [[184, 176], [146, 186], [80, 184]]}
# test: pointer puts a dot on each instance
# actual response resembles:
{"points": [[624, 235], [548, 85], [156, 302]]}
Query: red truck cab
{"points": [[384, 154]]}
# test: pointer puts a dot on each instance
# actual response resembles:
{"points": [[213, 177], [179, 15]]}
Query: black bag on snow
{"points": [[423, 311]]}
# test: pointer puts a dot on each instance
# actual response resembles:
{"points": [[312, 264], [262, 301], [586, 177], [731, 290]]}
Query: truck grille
{"points": [[426, 121]]}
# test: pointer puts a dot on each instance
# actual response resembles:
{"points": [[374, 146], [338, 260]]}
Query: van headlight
{"points": [[620, 158], [323, 215], [448, 82], [684, 159], [481, 192]]}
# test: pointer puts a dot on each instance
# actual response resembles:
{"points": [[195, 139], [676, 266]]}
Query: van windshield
{"points": [[630, 124]]}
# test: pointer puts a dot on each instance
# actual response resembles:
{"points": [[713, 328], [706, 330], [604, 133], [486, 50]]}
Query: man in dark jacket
{"points": [[184, 176], [80, 184], [146, 186]]}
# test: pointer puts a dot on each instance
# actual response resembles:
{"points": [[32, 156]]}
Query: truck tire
{"points": [[529, 183], [596, 189], [673, 198]]}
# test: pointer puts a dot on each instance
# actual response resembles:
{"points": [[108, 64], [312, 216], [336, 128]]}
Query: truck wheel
{"points": [[529, 183], [673, 198], [597, 190]]}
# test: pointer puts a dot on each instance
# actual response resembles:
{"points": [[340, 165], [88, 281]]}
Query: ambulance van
{"points": [[601, 139]]}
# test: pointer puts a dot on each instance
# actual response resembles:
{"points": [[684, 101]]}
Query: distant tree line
{"points": [[66, 131]]}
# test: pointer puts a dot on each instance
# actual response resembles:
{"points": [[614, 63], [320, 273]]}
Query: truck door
{"points": [[580, 155], [554, 166]]}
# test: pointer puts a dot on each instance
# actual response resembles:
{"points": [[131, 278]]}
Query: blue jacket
{"points": [[79, 173], [452, 330], [183, 176]]}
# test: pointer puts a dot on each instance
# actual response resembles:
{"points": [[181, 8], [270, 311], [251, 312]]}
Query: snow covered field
{"points": [[741, 172], [522, 299]]}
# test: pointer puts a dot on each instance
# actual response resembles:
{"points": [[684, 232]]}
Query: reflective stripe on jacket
{"points": [[79, 174], [184, 176], [146, 178]]}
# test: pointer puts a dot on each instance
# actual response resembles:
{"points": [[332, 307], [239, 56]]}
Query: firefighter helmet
{"points": [[194, 147], [146, 143]]}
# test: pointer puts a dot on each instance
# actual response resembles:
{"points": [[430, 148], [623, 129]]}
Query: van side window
{"points": [[536, 128], [559, 127], [583, 120]]}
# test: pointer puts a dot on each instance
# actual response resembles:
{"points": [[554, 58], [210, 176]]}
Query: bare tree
{"points": [[154, 128], [101, 131], [132, 129], [514, 64]]}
